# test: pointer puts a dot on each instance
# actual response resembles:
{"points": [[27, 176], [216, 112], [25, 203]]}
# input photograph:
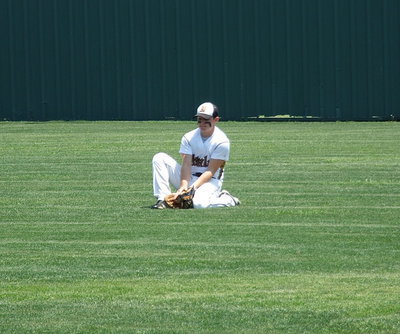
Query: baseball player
{"points": [[204, 152]]}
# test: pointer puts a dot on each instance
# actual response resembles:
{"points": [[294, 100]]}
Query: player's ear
{"points": [[216, 119]]}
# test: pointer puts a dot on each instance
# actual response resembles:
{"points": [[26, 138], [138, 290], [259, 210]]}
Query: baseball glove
{"points": [[182, 201]]}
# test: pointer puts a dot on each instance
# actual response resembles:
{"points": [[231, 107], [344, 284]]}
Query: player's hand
{"points": [[178, 192], [182, 190]]}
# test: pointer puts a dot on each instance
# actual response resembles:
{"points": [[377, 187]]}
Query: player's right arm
{"points": [[186, 172]]}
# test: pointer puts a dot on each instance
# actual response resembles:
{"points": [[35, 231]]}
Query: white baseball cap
{"points": [[206, 110]]}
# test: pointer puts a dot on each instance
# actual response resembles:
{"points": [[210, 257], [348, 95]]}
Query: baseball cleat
{"points": [[159, 205], [235, 199]]}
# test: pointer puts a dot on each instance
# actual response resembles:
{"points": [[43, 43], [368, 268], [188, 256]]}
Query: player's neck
{"points": [[207, 133]]}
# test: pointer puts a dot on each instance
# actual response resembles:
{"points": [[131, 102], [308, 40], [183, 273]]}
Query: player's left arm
{"points": [[213, 166]]}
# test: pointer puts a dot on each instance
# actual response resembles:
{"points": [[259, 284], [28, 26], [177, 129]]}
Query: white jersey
{"points": [[203, 150]]}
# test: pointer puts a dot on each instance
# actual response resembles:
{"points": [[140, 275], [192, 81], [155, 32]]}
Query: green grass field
{"points": [[314, 247]]}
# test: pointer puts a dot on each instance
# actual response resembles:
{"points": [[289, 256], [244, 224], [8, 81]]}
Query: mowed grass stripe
{"points": [[208, 223]]}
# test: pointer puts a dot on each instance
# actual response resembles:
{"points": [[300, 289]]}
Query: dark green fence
{"points": [[159, 59]]}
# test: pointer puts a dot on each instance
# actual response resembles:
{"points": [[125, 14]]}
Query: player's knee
{"points": [[200, 202], [199, 205], [158, 157]]}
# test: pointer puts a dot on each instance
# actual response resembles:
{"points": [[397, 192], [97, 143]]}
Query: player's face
{"points": [[206, 126]]}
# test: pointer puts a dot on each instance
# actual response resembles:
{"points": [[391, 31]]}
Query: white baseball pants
{"points": [[167, 172]]}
